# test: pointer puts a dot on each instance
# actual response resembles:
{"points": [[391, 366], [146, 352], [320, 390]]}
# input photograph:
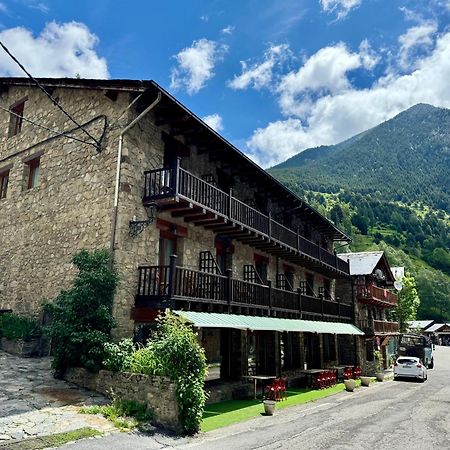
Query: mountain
{"points": [[389, 188], [406, 158]]}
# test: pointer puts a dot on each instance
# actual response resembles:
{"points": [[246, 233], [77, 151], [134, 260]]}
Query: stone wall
{"points": [[70, 208], [157, 392]]}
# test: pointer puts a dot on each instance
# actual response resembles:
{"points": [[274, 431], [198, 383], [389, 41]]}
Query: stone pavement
{"points": [[33, 403]]}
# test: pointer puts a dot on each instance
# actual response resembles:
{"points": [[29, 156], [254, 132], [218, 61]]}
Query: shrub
{"points": [[15, 327], [81, 316], [172, 352], [118, 356]]}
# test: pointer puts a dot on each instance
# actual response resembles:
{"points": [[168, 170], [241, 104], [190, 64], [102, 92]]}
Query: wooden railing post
{"points": [[298, 238], [230, 201], [339, 305], [172, 275], [269, 228], [322, 300], [269, 285], [176, 176], [229, 288], [299, 295]]}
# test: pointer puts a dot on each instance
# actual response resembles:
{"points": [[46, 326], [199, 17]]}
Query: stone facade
{"points": [[72, 206], [158, 393]]}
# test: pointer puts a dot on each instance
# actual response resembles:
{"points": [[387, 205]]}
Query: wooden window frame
{"points": [[16, 117], [4, 180], [34, 165]]}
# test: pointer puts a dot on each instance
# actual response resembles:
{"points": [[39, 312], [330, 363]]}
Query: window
{"points": [[34, 169], [261, 266], [310, 284], [4, 178], [16, 117]]}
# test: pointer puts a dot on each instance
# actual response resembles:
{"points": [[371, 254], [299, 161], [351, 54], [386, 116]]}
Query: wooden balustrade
{"points": [[178, 182], [374, 294], [161, 285], [381, 326]]}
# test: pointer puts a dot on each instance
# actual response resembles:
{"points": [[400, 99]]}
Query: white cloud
{"points": [[324, 72], [214, 121], [420, 37], [339, 7], [338, 114], [61, 50], [228, 30], [196, 65], [260, 75]]}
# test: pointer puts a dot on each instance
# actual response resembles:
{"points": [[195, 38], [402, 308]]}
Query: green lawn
{"points": [[218, 415]]}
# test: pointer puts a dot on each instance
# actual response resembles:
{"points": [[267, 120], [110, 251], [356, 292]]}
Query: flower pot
{"points": [[269, 407], [350, 385], [365, 381], [380, 376]]}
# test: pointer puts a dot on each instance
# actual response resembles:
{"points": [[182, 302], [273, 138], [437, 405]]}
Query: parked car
{"points": [[410, 367]]}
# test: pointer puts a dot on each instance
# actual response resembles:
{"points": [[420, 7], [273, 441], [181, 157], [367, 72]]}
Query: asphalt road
{"points": [[389, 415]]}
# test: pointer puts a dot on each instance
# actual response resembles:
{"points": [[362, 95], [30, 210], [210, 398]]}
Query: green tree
{"points": [[81, 316], [361, 223], [408, 302]]}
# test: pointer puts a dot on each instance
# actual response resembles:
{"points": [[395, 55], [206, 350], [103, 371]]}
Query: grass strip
{"points": [[52, 440], [124, 414], [222, 414]]}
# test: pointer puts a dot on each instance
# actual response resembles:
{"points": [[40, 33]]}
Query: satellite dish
{"points": [[398, 285], [379, 274]]}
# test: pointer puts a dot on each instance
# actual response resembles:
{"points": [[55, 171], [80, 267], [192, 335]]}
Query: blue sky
{"points": [[274, 77]]}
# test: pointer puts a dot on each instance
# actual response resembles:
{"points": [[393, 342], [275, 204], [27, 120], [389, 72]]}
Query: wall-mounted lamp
{"points": [[137, 226]]}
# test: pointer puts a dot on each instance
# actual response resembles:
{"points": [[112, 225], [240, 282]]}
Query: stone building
{"points": [[372, 285], [192, 223]]}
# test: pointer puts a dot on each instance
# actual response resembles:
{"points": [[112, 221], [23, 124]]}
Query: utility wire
{"points": [[98, 144], [58, 133]]}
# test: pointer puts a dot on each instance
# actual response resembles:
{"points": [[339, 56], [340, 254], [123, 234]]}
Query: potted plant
{"points": [[378, 365], [365, 381], [20, 335], [269, 407], [350, 384]]}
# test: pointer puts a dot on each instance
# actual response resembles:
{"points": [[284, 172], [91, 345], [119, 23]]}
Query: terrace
{"points": [[181, 288], [203, 204]]}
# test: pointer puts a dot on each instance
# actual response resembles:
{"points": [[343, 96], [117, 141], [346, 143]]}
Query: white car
{"points": [[410, 367]]}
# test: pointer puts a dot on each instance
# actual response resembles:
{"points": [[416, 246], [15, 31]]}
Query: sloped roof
{"points": [[362, 263], [422, 324], [437, 326]]}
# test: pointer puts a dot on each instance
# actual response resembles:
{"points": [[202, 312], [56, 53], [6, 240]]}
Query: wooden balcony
{"points": [[373, 327], [198, 202], [177, 287], [374, 295]]}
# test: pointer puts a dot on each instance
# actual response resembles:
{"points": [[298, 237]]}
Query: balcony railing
{"points": [[372, 327], [375, 295], [162, 286], [179, 183]]}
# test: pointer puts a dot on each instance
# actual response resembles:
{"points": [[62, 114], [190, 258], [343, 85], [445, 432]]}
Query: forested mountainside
{"points": [[389, 187]]}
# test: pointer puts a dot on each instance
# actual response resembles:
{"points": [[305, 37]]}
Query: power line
{"points": [[58, 133], [98, 144]]}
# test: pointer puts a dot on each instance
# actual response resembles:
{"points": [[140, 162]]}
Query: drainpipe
{"points": [[118, 167]]}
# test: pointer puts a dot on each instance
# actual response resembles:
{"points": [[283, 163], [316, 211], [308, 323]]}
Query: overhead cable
{"points": [[98, 144], [58, 133]]}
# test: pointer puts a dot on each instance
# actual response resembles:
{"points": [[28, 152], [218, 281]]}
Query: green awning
{"points": [[257, 323]]}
